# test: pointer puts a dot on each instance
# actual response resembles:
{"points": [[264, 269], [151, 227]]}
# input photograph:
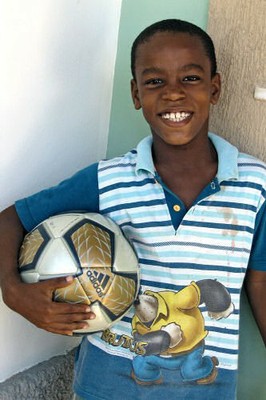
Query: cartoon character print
{"points": [[173, 329]]}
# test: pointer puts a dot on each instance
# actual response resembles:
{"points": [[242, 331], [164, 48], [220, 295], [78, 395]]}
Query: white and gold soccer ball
{"points": [[93, 249]]}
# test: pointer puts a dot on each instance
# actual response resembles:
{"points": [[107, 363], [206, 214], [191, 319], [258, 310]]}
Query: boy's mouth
{"points": [[176, 116]]}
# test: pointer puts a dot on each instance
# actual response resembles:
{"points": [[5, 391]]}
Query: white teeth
{"points": [[176, 117]]}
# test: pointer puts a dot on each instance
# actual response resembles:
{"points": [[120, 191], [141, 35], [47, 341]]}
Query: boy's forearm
{"points": [[11, 236], [256, 291], [34, 301]]}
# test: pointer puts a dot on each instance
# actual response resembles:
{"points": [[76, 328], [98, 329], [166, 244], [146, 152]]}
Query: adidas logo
{"points": [[99, 281]]}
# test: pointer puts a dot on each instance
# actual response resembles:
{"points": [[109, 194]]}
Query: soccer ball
{"points": [[92, 248]]}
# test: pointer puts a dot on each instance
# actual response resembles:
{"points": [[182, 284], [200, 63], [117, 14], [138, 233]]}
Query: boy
{"points": [[192, 206]]}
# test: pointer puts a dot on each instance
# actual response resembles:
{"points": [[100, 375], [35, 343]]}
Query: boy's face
{"points": [[174, 87]]}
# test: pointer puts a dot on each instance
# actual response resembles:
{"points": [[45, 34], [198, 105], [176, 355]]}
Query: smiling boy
{"points": [[174, 87], [193, 208]]}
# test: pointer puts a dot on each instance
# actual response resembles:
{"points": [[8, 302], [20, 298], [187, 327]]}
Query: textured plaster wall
{"points": [[239, 31]]}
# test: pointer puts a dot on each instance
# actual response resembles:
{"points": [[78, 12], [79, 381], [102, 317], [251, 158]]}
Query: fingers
{"points": [[71, 311], [65, 318], [64, 328], [55, 283], [50, 285], [35, 302]]}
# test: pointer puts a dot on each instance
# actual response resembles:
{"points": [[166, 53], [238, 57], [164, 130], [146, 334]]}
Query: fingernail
{"points": [[69, 278]]}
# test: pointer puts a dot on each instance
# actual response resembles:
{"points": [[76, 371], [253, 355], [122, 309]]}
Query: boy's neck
{"points": [[186, 170], [188, 157]]}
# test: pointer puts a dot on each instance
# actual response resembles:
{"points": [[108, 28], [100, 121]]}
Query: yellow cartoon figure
{"points": [[173, 329]]}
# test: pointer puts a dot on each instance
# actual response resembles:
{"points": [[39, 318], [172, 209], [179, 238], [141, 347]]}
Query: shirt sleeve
{"points": [[257, 259], [79, 193]]}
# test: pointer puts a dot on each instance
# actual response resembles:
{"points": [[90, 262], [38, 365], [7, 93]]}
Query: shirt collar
{"points": [[227, 158], [144, 157]]}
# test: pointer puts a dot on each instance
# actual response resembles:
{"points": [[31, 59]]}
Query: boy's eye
{"points": [[191, 78], [154, 82]]}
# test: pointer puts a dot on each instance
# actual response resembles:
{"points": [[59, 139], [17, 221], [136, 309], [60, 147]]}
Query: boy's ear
{"points": [[216, 88], [135, 94]]}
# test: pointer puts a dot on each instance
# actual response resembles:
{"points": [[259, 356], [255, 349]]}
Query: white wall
{"points": [[56, 76]]}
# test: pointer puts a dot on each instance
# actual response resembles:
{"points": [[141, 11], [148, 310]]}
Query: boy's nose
{"points": [[174, 92]]}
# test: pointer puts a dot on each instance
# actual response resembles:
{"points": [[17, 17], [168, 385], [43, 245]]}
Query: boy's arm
{"points": [[255, 284], [34, 301]]}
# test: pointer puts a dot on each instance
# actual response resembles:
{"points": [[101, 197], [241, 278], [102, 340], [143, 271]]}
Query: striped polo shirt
{"points": [[211, 240]]}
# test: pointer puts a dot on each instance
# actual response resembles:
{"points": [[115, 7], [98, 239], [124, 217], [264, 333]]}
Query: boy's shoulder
{"points": [[250, 160], [253, 167], [126, 159], [236, 164]]}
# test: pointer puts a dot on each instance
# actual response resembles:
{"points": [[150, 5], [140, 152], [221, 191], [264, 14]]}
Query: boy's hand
{"points": [[255, 284], [34, 301]]}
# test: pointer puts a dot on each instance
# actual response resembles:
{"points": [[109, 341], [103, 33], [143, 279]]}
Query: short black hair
{"points": [[175, 26]]}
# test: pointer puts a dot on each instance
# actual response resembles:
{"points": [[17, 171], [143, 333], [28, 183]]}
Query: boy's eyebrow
{"points": [[192, 66], [184, 68], [151, 70]]}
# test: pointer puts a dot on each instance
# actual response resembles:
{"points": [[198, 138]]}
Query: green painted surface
{"points": [[127, 126], [252, 357]]}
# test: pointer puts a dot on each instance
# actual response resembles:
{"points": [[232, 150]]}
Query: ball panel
{"points": [[57, 260], [30, 276], [120, 295], [28, 263], [30, 247], [125, 258], [101, 322], [73, 293], [93, 245], [58, 225]]}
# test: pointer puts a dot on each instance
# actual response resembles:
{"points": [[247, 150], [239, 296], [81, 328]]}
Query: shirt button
{"points": [[213, 186], [176, 207]]}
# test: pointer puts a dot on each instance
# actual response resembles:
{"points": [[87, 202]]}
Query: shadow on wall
{"points": [[52, 104]]}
